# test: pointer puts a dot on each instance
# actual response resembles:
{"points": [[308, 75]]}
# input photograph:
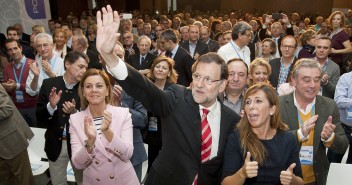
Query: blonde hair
{"points": [[172, 78], [258, 62]]}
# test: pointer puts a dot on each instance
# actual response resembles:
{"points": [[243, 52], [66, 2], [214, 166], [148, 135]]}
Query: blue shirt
{"points": [[343, 96]]}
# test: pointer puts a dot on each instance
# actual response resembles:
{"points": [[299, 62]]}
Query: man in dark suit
{"points": [[180, 159], [15, 167], [194, 46], [80, 43], [282, 67], [23, 37], [183, 61], [316, 125], [276, 30], [142, 60], [205, 37], [129, 44], [58, 99]]}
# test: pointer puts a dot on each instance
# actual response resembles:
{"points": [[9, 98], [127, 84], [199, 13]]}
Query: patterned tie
{"points": [[142, 61], [206, 137], [206, 141]]}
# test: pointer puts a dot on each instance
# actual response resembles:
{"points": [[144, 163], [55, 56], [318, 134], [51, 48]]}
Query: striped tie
{"points": [[206, 141]]}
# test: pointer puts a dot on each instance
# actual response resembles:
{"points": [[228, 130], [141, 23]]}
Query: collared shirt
{"points": [[343, 97], [58, 69], [18, 66], [235, 106], [192, 48], [142, 58], [174, 51], [308, 107], [231, 50], [69, 42], [213, 117]]}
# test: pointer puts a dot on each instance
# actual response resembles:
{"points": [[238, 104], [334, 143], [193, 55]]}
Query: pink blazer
{"points": [[109, 162]]}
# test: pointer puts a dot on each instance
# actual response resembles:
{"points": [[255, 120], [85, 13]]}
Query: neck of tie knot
{"points": [[205, 112]]}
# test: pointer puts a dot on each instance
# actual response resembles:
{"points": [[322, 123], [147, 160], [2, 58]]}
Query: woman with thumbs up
{"points": [[260, 151]]}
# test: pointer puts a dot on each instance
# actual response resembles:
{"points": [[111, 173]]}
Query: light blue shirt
{"points": [[343, 97]]}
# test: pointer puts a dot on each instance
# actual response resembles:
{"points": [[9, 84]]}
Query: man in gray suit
{"points": [[15, 168], [314, 119]]}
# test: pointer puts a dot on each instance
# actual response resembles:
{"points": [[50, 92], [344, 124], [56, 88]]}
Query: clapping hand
{"points": [[69, 107], [34, 68], [54, 97], [117, 90], [308, 125], [328, 129], [250, 168], [89, 129], [325, 79], [10, 85], [47, 68], [106, 122], [286, 177]]}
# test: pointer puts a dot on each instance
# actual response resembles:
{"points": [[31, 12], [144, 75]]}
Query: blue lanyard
{"points": [[18, 80], [299, 117], [244, 59], [51, 66]]}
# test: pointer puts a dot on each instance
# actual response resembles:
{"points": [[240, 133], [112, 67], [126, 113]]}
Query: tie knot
{"points": [[205, 111]]}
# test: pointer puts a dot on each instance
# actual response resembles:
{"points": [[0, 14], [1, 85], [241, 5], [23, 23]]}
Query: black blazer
{"points": [[180, 157], [183, 66], [127, 52], [147, 64], [55, 124], [275, 71], [93, 60], [25, 39], [263, 35], [213, 46], [201, 47]]}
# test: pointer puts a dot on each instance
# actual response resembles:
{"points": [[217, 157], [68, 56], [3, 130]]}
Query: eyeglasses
{"points": [[288, 47], [207, 80]]}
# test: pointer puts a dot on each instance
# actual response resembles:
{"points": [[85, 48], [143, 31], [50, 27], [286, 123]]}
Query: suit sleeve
{"points": [[42, 112], [138, 112], [289, 31], [333, 79], [6, 108], [187, 64]]}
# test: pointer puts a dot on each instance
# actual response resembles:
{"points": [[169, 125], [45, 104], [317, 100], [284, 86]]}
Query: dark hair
{"points": [[169, 34], [289, 36], [238, 60], [12, 40], [73, 56], [240, 28], [11, 28], [210, 58]]}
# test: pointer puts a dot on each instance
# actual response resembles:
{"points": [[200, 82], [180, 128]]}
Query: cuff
{"points": [[329, 141], [120, 71], [288, 25], [50, 109], [300, 135]]}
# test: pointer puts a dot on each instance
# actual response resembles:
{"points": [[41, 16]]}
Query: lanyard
{"points": [[18, 80], [244, 59], [299, 117], [51, 66]]}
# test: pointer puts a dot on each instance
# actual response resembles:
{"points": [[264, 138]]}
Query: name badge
{"points": [[306, 155], [19, 97], [153, 124], [349, 114]]}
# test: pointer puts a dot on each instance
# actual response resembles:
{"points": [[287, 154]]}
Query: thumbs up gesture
{"points": [[250, 168], [286, 177], [328, 129]]}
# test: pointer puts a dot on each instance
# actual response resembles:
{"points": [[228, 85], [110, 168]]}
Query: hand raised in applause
{"points": [[47, 68], [106, 122], [308, 125], [117, 90], [89, 129], [33, 65], [10, 85], [69, 107], [54, 97]]}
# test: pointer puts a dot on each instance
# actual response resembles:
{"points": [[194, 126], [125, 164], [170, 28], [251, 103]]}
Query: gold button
{"points": [[98, 179], [109, 160], [96, 162], [111, 177]]}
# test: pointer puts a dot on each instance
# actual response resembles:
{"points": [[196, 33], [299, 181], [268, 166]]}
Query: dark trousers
{"points": [[16, 171], [29, 115], [337, 158], [153, 152]]}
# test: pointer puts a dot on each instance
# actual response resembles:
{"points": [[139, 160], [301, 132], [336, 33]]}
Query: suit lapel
{"points": [[291, 113]]}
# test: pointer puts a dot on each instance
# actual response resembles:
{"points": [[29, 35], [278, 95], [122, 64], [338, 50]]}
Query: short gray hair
{"points": [[305, 62], [240, 28], [42, 35]]}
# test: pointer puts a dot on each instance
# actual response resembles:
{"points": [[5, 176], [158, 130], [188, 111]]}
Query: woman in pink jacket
{"points": [[101, 134]]}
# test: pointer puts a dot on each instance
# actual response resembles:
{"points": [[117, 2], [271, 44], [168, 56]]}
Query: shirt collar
{"points": [[308, 107], [212, 109], [68, 86], [174, 50], [236, 46]]}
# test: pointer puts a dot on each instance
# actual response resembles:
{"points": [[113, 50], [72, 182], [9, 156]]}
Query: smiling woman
{"points": [[259, 146]]}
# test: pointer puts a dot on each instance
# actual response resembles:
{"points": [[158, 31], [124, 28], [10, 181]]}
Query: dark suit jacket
{"points": [[275, 71], [147, 64], [127, 52], [183, 66], [201, 47], [139, 121], [14, 130], [25, 39], [55, 123], [320, 161], [26, 51], [180, 157], [93, 60], [263, 34], [213, 46]]}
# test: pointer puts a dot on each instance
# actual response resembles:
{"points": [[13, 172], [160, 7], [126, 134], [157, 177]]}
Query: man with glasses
{"points": [[183, 111], [183, 61], [238, 46], [47, 65], [282, 67], [129, 45]]}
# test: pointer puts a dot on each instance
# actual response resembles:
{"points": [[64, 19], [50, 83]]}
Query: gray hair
{"points": [[240, 28], [42, 35], [146, 38], [305, 62], [81, 39]]}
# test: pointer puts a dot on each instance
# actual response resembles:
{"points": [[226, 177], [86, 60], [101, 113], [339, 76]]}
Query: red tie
{"points": [[206, 141]]}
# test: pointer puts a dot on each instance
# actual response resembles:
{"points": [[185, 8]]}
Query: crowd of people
{"points": [[219, 97]]}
